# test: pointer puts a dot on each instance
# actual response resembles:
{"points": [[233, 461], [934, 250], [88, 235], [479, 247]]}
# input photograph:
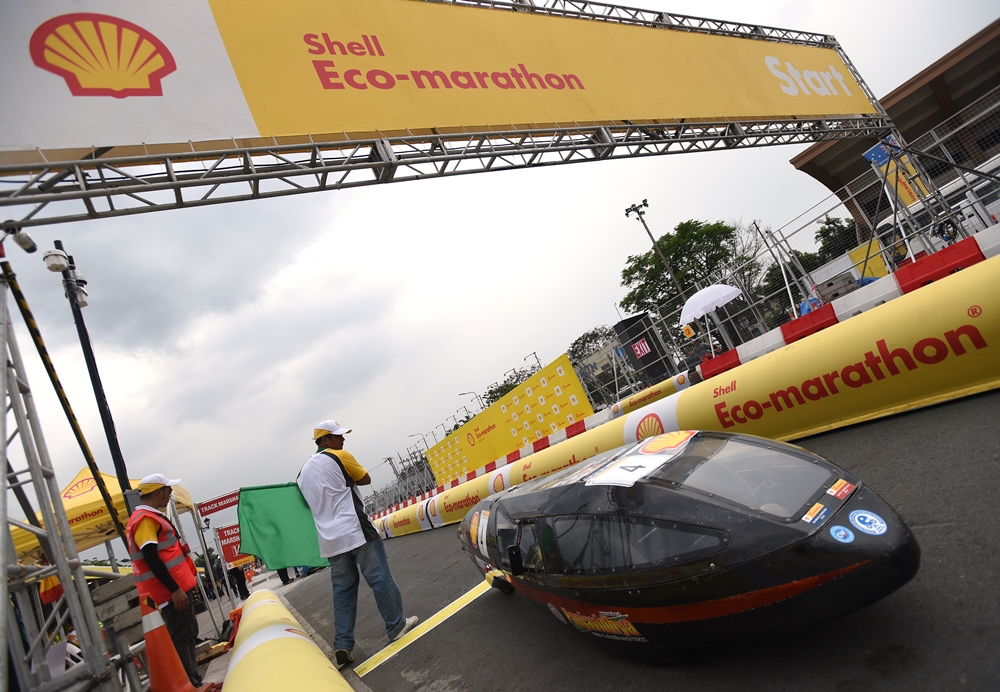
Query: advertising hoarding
{"points": [[219, 73], [547, 402]]}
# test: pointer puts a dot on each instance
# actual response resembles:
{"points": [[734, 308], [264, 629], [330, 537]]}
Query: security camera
{"points": [[81, 297], [55, 260], [24, 241]]}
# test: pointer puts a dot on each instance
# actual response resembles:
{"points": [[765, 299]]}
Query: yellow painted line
{"points": [[420, 630]]}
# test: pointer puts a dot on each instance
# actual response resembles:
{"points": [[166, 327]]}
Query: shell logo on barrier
{"points": [[432, 507], [421, 514], [648, 427], [100, 55], [79, 488], [498, 483], [670, 440]]}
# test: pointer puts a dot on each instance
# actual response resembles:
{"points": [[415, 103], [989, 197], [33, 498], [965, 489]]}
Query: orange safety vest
{"points": [[173, 553]]}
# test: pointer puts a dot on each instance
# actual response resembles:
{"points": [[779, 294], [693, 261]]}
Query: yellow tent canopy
{"points": [[88, 516]]}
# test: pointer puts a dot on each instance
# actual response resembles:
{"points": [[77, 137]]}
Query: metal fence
{"points": [[413, 477], [853, 236]]}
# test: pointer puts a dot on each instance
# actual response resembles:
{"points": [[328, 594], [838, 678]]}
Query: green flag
{"points": [[277, 526]]}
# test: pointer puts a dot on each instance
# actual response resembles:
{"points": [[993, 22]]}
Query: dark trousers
{"points": [[183, 629], [238, 581], [283, 575]]}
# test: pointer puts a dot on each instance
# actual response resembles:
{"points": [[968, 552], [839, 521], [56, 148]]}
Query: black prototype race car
{"points": [[692, 539]]}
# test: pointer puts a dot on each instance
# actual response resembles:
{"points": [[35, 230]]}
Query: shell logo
{"points": [[79, 488], [100, 55], [474, 530], [648, 427], [471, 439], [420, 513], [432, 508], [681, 379], [670, 440], [498, 483]]}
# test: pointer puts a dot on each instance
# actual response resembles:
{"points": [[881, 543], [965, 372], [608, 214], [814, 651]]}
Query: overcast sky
{"points": [[223, 334]]}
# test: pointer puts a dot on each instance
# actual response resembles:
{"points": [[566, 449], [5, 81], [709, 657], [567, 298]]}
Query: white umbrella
{"points": [[706, 300]]}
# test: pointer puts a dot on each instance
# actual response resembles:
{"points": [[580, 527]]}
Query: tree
{"points": [[589, 343], [694, 250], [496, 391], [835, 237], [199, 561]]}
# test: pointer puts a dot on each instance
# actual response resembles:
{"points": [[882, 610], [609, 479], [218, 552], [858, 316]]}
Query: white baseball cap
{"points": [[155, 482], [329, 427]]}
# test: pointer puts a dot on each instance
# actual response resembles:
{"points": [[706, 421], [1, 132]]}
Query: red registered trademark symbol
{"points": [[975, 311]]}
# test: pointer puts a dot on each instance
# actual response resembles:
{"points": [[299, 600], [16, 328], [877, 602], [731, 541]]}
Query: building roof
{"points": [[954, 82]]}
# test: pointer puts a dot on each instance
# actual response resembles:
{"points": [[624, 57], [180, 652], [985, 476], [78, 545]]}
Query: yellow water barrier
{"points": [[648, 395], [937, 343], [272, 652]]}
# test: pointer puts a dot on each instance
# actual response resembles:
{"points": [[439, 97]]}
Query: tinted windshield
{"points": [[775, 480], [612, 544]]}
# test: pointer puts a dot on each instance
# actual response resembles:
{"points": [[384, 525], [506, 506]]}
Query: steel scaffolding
{"points": [[35, 634]]}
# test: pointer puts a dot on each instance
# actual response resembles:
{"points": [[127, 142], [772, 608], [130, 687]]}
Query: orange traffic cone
{"points": [[165, 670]]}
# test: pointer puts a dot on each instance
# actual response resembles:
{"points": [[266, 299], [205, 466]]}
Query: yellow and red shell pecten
{"points": [[100, 55]]}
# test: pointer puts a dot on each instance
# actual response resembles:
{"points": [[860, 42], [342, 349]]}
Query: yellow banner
{"points": [[322, 67], [547, 402], [875, 266]]}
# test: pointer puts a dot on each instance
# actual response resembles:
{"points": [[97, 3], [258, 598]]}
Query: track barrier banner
{"points": [[547, 402]]}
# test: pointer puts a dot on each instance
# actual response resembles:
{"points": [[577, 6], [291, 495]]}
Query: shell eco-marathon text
{"points": [[511, 78]]}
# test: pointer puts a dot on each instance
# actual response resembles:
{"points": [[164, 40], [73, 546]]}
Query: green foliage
{"points": [[496, 391], [772, 286], [694, 250], [200, 560], [835, 237], [589, 343]]}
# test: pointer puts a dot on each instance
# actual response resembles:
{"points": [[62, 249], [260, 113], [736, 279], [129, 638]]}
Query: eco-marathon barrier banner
{"points": [[939, 342], [547, 402], [172, 75]]}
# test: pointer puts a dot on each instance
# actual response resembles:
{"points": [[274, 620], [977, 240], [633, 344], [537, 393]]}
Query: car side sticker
{"points": [[816, 514], [842, 534], [606, 624], [484, 522], [841, 489], [868, 522]]}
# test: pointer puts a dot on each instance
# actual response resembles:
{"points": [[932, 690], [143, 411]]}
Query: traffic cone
{"points": [[165, 670]]}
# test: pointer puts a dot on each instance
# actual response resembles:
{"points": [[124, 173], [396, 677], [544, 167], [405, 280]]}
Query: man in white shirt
{"points": [[329, 482]]}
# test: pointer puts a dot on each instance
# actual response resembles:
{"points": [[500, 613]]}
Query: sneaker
{"points": [[343, 657], [411, 622]]}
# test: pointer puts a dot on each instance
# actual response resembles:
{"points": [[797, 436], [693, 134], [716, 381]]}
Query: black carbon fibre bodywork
{"points": [[718, 537]]}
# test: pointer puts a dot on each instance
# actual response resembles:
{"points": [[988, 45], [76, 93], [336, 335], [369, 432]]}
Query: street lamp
{"points": [[481, 406], [58, 261], [426, 446], [533, 353], [637, 210], [435, 437], [466, 409], [444, 428]]}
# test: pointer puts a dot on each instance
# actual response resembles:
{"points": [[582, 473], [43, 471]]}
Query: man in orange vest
{"points": [[163, 570]]}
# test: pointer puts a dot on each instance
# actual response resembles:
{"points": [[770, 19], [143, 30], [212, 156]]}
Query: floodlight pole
{"points": [[637, 210], [70, 284]]}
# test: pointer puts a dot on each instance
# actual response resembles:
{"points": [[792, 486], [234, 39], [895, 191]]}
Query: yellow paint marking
{"points": [[420, 630]]}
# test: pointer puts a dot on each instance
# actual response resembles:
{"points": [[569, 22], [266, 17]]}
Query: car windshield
{"points": [[765, 477]]}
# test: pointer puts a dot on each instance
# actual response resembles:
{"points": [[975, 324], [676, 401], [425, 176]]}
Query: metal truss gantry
{"points": [[101, 188], [102, 185]]}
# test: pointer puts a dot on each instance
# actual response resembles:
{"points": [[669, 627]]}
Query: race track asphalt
{"points": [[939, 467]]}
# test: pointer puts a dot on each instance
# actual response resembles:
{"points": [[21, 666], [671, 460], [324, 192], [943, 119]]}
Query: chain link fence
{"points": [[864, 231]]}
